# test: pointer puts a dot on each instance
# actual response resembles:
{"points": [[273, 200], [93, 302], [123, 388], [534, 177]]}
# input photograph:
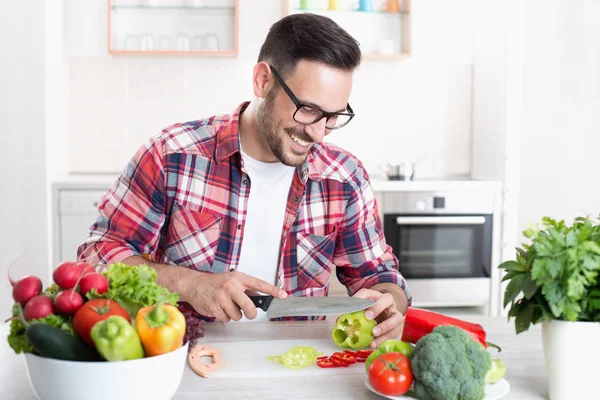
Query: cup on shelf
{"points": [[147, 42], [393, 6], [211, 42], [183, 42], [334, 5], [365, 5], [165, 43], [305, 4]]}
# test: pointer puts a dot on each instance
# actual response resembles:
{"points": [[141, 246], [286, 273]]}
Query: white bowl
{"points": [[151, 378]]}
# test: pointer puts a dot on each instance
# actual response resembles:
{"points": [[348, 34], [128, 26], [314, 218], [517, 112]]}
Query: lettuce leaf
{"points": [[134, 287]]}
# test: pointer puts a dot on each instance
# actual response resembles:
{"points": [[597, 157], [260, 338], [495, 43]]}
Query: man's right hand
{"points": [[223, 295]]}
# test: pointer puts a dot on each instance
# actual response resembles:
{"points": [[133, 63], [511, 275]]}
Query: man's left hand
{"points": [[390, 321]]}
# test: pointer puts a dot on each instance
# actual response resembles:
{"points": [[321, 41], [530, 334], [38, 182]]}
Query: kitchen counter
{"points": [[522, 354]]}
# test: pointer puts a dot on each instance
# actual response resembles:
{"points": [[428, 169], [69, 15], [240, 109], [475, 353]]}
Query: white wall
{"points": [[22, 140], [406, 109], [561, 111]]}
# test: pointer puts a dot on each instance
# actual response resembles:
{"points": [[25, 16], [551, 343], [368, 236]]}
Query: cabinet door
{"points": [[77, 211]]}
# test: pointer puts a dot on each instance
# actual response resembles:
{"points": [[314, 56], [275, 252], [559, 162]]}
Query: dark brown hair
{"points": [[307, 36]]}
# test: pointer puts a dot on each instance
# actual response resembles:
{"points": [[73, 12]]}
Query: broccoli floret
{"points": [[447, 364]]}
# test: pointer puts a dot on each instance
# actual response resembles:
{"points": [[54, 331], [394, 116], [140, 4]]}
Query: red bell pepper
{"points": [[419, 322]]}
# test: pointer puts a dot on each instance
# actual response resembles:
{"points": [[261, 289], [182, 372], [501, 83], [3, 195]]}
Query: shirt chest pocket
{"points": [[314, 254], [192, 238]]}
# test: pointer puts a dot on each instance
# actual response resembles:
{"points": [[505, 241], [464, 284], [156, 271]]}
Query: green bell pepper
{"points": [[389, 346], [353, 330], [116, 339], [297, 357]]}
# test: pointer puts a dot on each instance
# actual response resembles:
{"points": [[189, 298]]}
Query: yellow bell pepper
{"points": [[161, 328]]}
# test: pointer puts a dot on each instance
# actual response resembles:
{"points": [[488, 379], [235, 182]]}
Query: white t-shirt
{"points": [[269, 189]]}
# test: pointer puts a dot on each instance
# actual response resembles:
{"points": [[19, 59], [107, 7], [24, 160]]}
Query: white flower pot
{"points": [[572, 350]]}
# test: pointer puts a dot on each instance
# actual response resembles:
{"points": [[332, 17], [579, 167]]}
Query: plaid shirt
{"points": [[182, 200]]}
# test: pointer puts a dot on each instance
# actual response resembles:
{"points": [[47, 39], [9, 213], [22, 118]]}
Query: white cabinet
{"points": [[74, 212]]}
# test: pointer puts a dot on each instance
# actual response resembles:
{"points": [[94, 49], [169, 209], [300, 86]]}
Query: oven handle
{"points": [[440, 220]]}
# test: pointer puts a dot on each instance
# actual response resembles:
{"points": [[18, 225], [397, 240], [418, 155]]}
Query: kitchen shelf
{"points": [[163, 27], [382, 35]]}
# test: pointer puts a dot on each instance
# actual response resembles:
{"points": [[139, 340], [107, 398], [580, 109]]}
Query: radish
{"points": [[38, 307], [93, 281], [85, 268], [66, 275], [26, 288], [67, 302]]}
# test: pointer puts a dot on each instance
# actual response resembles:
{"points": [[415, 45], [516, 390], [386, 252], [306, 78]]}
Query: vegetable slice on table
{"points": [[353, 330], [297, 357], [117, 340], [161, 328]]}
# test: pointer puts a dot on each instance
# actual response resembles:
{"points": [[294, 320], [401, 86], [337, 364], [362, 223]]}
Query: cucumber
{"points": [[52, 342]]}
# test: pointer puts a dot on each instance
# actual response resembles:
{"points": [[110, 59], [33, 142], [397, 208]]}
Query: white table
{"points": [[522, 354]]}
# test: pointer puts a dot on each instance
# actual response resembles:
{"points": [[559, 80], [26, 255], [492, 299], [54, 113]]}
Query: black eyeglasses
{"points": [[308, 115]]}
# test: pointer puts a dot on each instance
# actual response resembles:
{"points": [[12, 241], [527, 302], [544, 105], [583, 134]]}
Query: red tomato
{"points": [[94, 311], [390, 374]]}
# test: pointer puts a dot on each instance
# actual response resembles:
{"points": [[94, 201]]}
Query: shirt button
{"points": [[296, 199], [240, 226], [231, 269], [245, 182]]}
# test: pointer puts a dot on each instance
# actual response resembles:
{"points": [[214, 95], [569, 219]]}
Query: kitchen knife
{"points": [[294, 306]]}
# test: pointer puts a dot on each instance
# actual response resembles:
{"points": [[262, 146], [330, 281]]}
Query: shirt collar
{"points": [[228, 143]]}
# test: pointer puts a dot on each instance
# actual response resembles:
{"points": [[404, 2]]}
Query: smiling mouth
{"points": [[299, 141]]}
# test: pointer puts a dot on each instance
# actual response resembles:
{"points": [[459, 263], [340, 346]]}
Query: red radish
{"points": [[93, 281], [26, 288], [85, 268], [67, 302], [38, 307], [66, 275]]}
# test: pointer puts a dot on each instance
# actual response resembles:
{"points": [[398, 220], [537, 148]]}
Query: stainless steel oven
{"points": [[443, 241]]}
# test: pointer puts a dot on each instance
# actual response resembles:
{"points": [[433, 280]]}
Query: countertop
{"points": [[523, 355]]}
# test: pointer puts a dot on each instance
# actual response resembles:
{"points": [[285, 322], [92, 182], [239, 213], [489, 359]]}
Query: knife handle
{"points": [[261, 302]]}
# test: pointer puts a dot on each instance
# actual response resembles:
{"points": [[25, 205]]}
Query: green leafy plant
{"points": [[556, 275]]}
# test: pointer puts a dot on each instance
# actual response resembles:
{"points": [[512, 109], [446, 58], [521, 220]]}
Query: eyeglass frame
{"points": [[299, 105]]}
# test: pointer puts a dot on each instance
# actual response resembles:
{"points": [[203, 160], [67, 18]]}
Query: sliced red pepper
{"points": [[361, 360], [326, 363], [339, 363], [363, 353], [344, 357], [350, 352]]}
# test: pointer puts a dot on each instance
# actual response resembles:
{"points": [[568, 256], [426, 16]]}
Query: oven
{"points": [[443, 241]]}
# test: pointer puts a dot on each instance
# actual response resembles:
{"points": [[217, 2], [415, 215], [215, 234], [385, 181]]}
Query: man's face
{"points": [[314, 84]]}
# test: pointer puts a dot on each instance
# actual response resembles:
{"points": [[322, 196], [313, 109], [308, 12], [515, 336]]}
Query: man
{"points": [[254, 201]]}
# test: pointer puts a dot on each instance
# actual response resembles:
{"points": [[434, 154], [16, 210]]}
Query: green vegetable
{"points": [[134, 287], [17, 338], [116, 339], [392, 345], [557, 273], [496, 372], [52, 342], [353, 330], [448, 364], [297, 357]]}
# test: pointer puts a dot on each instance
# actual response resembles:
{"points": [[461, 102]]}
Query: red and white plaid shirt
{"points": [[182, 200]]}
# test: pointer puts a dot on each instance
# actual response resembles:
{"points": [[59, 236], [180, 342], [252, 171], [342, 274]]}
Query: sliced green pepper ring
{"points": [[297, 357]]}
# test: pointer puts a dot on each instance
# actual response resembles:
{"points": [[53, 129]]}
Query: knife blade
{"points": [[309, 306]]}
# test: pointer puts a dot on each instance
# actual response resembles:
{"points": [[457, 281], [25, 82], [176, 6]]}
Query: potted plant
{"points": [[555, 281]]}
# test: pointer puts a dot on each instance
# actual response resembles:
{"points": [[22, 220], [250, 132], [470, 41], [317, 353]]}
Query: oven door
{"points": [[441, 246]]}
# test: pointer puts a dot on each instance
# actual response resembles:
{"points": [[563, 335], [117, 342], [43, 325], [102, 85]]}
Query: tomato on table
{"points": [[390, 374]]}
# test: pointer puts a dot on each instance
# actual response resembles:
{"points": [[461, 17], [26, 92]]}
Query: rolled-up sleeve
{"points": [[362, 256], [132, 213]]}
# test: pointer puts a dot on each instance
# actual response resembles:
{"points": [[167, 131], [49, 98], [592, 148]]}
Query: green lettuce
{"points": [[134, 287]]}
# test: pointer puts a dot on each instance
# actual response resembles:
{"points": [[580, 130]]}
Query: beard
{"points": [[277, 142]]}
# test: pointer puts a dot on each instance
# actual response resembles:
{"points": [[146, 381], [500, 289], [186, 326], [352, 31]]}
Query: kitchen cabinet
{"points": [[382, 27], [173, 27]]}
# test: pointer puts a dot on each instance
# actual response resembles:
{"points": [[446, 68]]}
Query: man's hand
{"points": [[223, 295], [220, 295], [390, 321]]}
